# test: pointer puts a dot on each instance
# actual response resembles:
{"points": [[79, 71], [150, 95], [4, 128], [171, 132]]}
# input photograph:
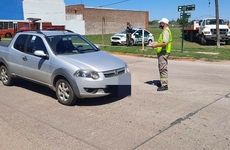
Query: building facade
{"points": [[102, 20], [78, 18], [48, 10]]}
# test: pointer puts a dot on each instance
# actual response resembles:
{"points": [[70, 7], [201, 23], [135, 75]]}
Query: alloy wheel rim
{"points": [[63, 91], [4, 76]]}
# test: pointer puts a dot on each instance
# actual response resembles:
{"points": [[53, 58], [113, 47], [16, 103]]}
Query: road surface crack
{"points": [[179, 120]]}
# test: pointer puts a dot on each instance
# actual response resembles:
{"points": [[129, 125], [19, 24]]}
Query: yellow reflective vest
{"points": [[168, 46]]}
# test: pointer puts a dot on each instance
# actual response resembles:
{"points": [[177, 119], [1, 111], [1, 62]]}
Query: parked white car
{"points": [[136, 37]]}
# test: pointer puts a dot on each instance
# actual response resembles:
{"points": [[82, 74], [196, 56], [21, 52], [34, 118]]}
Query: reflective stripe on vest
{"points": [[168, 46], [164, 79]]}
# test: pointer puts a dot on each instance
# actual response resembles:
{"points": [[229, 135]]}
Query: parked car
{"points": [[66, 62], [136, 37]]}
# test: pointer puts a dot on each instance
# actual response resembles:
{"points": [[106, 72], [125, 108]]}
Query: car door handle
{"points": [[24, 58]]}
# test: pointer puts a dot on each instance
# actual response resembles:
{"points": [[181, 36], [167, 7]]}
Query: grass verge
{"points": [[191, 50]]}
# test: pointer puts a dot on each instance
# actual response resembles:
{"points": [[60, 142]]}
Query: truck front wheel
{"points": [[64, 93], [5, 76], [203, 40]]}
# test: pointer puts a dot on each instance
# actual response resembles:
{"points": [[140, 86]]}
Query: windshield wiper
{"points": [[88, 50]]}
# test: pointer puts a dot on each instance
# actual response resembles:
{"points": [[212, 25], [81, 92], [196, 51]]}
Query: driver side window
{"points": [[35, 43]]}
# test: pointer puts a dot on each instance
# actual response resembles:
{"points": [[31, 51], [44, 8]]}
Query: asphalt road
{"points": [[192, 114]]}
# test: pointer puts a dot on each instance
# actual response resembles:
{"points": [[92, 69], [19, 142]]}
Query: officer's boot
{"points": [[162, 88]]}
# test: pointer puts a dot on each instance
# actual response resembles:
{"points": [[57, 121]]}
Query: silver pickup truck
{"points": [[66, 62]]}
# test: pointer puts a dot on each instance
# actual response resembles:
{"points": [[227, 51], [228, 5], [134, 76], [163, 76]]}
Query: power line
{"points": [[113, 3]]}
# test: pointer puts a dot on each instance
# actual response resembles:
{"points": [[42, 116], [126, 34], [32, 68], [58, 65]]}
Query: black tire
{"points": [[211, 42], [149, 41], [5, 77], [227, 42], [191, 37], [8, 35], [186, 34], [203, 40], [64, 93]]}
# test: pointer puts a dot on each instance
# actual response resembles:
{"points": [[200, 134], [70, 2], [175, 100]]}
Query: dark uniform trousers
{"points": [[163, 67], [128, 39]]}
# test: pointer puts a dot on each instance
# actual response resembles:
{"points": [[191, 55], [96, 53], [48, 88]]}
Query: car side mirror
{"points": [[97, 45], [40, 53]]}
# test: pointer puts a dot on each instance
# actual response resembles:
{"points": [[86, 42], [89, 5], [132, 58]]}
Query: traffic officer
{"points": [[163, 47], [128, 34]]}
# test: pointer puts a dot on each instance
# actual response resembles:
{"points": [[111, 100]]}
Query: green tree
{"points": [[181, 20]]}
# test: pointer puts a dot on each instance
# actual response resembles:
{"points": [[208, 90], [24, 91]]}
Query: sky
{"points": [[162, 8]]}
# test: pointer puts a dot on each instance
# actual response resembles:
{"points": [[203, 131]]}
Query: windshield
{"points": [[213, 22], [70, 44]]}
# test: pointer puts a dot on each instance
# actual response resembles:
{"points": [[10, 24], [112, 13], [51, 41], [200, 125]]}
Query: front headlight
{"points": [[207, 32], [87, 74], [228, 33]]}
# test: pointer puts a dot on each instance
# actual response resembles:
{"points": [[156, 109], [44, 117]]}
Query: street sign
{"points": [[186, 8], [190, 7], [185, 15], [181, 8]]}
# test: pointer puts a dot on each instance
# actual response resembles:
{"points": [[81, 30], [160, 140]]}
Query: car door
{"points": [[34, 67], [138, 37], [16, 54], [146, 36]]}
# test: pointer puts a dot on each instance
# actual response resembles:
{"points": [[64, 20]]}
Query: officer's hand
{"points": [[153, 44]]}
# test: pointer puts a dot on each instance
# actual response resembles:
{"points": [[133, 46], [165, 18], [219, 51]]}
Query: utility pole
{"points": [[103, 30], [217, 25]]}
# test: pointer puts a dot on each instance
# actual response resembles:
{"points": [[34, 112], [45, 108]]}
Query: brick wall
{"points": [[100, 20]]}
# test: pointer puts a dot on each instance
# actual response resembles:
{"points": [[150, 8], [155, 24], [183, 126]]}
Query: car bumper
{"points": [[213, 37], [118, 42], [116, 85]]}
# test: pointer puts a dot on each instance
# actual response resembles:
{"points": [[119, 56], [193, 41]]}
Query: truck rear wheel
{"points": [[191, 37]]}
